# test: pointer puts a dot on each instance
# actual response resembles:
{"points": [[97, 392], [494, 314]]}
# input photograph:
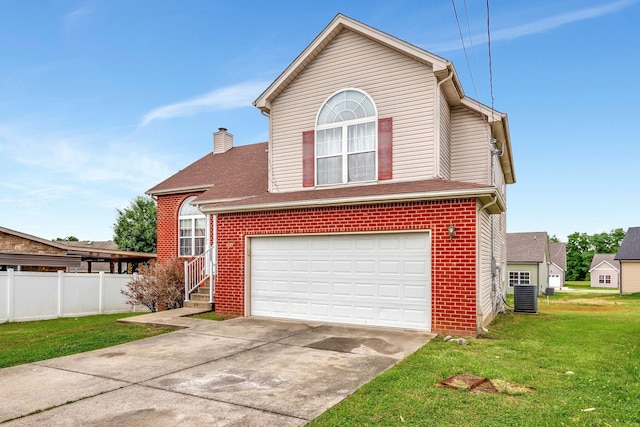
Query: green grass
{"points": [[26, 342], [529, 356], [583, 285], [209, 315]]}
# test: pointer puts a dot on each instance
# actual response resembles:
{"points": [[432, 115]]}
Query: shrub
{"points": [[157, 285]]}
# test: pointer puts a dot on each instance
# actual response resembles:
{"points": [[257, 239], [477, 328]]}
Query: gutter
{"points": [[392, 198]]}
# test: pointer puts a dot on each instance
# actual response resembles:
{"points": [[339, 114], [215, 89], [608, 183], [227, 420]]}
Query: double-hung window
{"points": [[346, 139], [192, 229], [604, 279]]}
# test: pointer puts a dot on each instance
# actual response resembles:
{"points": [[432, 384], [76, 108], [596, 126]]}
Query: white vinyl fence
{"points": [[36, 296]]}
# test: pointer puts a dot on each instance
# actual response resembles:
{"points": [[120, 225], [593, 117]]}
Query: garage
{"points": [[380, 279]]}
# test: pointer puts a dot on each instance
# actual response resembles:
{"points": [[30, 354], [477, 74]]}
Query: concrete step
{"points": [[198, 304], [199, 297]]}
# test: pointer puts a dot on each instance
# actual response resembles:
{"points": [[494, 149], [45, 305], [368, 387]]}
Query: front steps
{"points": [[199, 299]]}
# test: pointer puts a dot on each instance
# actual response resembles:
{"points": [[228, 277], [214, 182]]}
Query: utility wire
{"points": [[464, 47], [490, 60]]}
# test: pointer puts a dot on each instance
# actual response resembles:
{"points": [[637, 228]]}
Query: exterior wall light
{"points": [[452, 231]]}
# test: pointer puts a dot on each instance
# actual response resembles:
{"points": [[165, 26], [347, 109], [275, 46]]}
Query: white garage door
{"points": [[554, 281], [365, 279]]}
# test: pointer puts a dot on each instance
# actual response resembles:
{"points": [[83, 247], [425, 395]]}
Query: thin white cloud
{"points": [[552, 22], [77, 17], [541, 25], [226, 98]]}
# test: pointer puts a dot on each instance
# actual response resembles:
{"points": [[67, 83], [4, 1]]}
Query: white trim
{"points": [[179, 190], [405, 197], [604, 261], [557, 266]]}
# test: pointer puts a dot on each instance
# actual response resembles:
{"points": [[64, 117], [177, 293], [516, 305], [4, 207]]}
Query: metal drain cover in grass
{"points": [[468, 382]]}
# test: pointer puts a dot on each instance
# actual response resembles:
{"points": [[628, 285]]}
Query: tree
{"points": [[66, 239], [554, 239], [581, 247], [135, 227]]}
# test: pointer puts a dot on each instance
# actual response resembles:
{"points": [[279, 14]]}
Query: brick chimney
{"points": [[222, 141]]}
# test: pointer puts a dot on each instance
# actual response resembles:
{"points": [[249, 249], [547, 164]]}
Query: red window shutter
{"points": [[385, 136], [308, 158]]}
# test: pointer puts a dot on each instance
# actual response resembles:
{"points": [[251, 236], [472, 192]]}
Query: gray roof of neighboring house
{"points": [[630, 246], [527, 247], [558, 254], [600, 258]]}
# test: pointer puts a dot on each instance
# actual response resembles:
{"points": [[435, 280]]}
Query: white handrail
{"points": [[199, 270]]}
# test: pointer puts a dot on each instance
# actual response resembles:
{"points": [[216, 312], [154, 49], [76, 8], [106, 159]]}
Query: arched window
{"points": [[192, 229], [346, 139]]}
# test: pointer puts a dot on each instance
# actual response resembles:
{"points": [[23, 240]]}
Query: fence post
{"points": [[10, 294], [60, 292], [100, 292]]}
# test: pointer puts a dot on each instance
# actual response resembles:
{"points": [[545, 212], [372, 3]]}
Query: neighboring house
{"points": [[605, 271], [629, 257], [24, 252], [558, 265], [528, 260], [373, 201]]}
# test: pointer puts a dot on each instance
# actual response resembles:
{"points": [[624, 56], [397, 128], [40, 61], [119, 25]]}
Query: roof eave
{"points": [[177, 190], [486, 196], [340, 22]]}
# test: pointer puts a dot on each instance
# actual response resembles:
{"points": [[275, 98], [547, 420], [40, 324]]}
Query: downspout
{"points": [[480, 313], [436, 126]]}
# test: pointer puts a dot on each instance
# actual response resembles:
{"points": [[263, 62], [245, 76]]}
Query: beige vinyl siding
{"points": [[491, 290], [485, 286], [605, 269], [470, 148], [630, 272], [445, 138], [400, 87]]}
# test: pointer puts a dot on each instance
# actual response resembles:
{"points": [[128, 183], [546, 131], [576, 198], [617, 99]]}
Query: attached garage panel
{"points": [[365, 279]]}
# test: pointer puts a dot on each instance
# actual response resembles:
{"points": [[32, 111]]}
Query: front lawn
{"points": [[26, 342], [576, 362]]}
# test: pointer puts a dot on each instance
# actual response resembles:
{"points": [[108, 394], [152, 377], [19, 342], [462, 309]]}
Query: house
{"points": [[24, 252], [378, 199], [528, 259], [605, 271], [629, 257], [558, 264]]}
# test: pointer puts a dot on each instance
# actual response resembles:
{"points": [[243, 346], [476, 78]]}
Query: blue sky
{"points": [[102, 99]]}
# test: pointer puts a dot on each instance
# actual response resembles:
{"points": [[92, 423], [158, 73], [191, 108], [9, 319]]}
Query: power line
{"points": [[490, 59], [464, 47]]}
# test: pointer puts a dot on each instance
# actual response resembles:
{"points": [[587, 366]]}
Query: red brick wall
{"points": [[453, 262], [167, 220]]}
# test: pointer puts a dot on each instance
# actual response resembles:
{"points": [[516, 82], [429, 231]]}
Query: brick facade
{"points": [[13, 244], [453, 261], [168, 210]]}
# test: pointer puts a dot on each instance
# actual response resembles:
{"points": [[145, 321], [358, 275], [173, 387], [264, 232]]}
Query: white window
{"points": [[604, 279], [519, 278], [346, 139], [192, 229]]}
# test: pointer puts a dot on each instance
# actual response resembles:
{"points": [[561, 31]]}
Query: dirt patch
{"points": [[475, 384]]}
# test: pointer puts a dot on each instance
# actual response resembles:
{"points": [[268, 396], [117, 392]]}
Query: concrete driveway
{"points": [[245, 371]]}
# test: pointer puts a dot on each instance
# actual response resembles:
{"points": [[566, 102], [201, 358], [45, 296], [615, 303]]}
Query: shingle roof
{"points": [[600, 258], [240, 172], [527, 247], [630, 246], [357, 194], [558, 254]]}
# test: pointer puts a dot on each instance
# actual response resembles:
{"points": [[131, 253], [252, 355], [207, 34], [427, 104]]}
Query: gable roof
{"points": [[630, 246], [239, 172], [558, 254], [442, 68], [527, 247], [599, 259]]}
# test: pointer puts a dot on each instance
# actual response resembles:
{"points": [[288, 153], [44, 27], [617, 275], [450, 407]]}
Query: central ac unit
{"points": [[525, 298]]}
